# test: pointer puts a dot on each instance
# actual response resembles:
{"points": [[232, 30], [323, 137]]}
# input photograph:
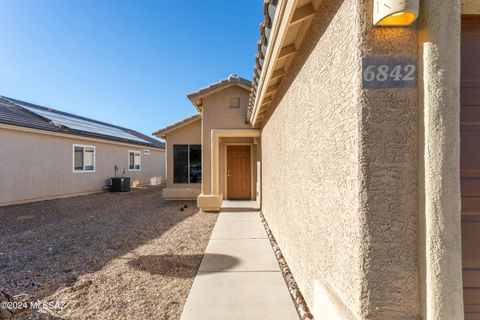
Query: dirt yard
{"points": [[104, 256]]}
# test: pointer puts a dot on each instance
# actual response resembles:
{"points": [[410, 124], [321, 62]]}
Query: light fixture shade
{"points": [[395, 13]]}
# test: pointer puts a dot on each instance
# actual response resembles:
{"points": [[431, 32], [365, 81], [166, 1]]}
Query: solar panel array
{"points": [[83, 125]]}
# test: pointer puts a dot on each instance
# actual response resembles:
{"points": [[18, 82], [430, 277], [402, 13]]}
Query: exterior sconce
{"points": [[395, 13]]}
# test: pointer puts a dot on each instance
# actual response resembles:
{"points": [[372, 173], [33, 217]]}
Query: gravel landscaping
{"points": [[103, 256]]}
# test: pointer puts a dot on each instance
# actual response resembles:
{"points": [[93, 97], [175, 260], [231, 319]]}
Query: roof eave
{"points": [[196, 97], [278, 52], [161, 133]]}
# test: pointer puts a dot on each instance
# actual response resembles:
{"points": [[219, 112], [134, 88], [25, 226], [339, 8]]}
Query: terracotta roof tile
{"points": [[269, 8]]}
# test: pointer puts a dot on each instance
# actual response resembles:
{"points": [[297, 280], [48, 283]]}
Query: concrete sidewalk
{"points": [[239, 277]]}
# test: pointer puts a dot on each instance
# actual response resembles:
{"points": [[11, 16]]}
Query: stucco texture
{"points": [[470, 6], [388, 174], [339, 171], [439, 162], [310, 164], [49, 173]]}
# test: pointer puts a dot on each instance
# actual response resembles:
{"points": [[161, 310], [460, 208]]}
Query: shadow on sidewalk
{"points": [[183, 266]]}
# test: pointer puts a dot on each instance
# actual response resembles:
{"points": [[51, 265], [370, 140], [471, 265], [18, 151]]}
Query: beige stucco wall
{"points": [[470, 6], [310, 166], [339, 174], [216, 114], [388, 175], [439, 155], [189, 134], [38, 166]]}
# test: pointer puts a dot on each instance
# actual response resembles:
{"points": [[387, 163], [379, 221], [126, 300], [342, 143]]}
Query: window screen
{"points": [[195, 163], [131, 160], [83, 158], [78, 158], [89, 159], [134, 160], [180, 163], [187, 163]]}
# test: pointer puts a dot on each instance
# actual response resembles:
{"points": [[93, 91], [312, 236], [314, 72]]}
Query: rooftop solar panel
{"points": [[83, 125]]}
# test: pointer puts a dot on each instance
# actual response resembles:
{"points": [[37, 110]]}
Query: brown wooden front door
{"points": [[470, 165], [238, 172]]}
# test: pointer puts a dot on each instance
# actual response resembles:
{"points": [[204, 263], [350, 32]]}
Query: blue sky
{"points": [[129, 63]]}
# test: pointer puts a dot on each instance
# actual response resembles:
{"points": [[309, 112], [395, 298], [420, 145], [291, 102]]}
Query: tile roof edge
{"points": [[230, 80], [151, 142], [177, 125]]}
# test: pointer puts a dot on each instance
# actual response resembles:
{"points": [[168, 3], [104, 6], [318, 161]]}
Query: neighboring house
{"points": [[46, 154], [360, 186]]}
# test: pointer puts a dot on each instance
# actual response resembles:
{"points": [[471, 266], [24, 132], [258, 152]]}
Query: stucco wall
{"points": [[388, 174], [189, 134], [217, 114], [339, 171], [310, 165], [439, 158], [37, 166], [470, 7]]}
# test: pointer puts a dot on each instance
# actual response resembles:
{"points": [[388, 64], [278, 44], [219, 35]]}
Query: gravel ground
{"points": [[103, 256]]}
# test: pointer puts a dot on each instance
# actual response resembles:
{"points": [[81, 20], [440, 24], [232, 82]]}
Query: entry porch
{"points": [[231, 167]]}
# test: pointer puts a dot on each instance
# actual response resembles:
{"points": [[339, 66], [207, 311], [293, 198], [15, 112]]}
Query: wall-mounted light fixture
{"points": [[395, 13]]}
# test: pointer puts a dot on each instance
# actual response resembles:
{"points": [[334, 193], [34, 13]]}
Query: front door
{"points": [[238, 173], [470, 166]]}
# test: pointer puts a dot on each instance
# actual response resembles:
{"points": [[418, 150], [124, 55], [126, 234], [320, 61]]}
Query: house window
{"points": [[195, 157], [234, 102], [134, 160], [187, 163], [83, 158]]}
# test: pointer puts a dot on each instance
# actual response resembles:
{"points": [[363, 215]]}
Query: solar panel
{"points": [[83, 125]]}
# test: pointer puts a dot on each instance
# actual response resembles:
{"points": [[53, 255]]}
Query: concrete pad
{"points": [[238, 230], [239, 296], [239, 216], [239, 277], [249, 254], [240, 204]]}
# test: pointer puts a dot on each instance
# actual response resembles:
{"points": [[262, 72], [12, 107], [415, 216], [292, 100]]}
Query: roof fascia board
{"points": [[196, 96], [74, 136], [163, 132], [280, 25]]}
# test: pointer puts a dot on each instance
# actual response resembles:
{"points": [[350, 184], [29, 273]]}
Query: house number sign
{"points": [[389, 72]]}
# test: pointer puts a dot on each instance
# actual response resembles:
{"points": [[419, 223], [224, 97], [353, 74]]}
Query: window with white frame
{"points": [[134, 160], [83, 158]]}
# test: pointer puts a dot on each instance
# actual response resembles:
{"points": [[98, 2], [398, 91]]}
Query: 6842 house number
{"points": [[389, 72], [383, 73]]}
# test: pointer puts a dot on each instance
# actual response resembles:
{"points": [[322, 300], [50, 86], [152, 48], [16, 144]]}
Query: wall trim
{"points": [[58, 196]]}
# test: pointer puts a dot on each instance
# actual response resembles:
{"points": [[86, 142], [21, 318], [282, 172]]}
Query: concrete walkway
{"points": [[239, 277]]}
